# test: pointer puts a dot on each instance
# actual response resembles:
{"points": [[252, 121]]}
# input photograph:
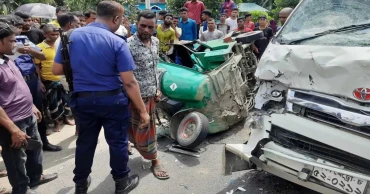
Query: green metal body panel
{"points": [[219, 91], [185, 85], [214, 56]]}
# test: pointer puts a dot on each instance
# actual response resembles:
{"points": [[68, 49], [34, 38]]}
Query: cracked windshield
{"points": [[314, 17], [184, 96]]}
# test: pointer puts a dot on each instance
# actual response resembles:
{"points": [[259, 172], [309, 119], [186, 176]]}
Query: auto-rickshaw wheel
{"points": [[192, 130]]}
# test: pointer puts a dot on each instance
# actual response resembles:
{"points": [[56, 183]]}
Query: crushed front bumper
{"points": [[290, 164]]}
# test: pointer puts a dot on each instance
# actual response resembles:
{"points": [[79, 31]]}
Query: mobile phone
{"points": [[32, 144], [20, 45]]}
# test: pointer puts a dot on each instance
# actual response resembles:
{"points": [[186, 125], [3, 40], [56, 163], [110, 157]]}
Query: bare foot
{"points": [[56, 126], [129, 148], [69, 121]]}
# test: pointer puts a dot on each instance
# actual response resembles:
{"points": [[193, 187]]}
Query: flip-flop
{"points": [[159, 168], [3, 173], [44, 179]]}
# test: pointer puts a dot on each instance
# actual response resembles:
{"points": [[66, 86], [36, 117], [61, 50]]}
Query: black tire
{"points": [[192, 130], [249, 37]]}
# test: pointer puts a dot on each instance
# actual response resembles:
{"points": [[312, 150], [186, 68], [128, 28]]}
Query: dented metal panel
{"points": [[327, 69]]}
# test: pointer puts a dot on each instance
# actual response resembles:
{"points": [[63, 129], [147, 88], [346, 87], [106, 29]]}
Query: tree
{"points": [[280, 4], [213, 5], [286, 3]]}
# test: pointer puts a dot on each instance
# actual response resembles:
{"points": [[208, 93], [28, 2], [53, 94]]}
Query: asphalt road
{"points": [[189, 175]]}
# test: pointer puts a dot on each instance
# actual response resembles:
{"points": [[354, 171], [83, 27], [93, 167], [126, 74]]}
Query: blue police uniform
{"points": [[97, 56]]}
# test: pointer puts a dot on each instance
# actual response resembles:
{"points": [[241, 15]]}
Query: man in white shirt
{"points": [[212, 33], [178, 31], [232, 20]]}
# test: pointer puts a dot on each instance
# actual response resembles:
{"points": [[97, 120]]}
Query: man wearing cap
{"points": [[260, 45]]}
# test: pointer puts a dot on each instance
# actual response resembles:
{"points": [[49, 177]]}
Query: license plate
{"points": [[343, 182]]}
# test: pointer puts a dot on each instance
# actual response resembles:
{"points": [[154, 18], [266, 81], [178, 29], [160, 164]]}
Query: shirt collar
{"points": [[4, 60], [45, 45], [99, 25], [183, 22], [136, 38]]}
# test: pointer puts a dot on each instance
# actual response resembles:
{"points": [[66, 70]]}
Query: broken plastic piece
{"points": [[178, 149], [231, 192], [241, 189]]}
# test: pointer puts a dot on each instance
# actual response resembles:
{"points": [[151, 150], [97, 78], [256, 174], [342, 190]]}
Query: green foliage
{"points": [[213, 5], [131, 10], [175, 5], [280, 4], [286, 3], [256, 14], [81, 5]]}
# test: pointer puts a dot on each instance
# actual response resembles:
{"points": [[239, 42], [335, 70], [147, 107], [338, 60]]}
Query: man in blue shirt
{"points": [[101, 64], [188, 26]]}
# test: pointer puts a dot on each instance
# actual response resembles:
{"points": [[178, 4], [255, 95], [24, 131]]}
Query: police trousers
{"points": [[93, 113], [23, 166]]}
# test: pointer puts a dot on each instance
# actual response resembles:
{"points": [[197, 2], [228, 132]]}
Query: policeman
{"points": [[101, 64]]}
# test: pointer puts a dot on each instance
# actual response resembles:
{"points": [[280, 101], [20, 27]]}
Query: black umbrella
{"points": [[39, 10]]}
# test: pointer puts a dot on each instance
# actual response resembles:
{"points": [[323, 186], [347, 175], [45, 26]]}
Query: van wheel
{"points": [[192, 130]]}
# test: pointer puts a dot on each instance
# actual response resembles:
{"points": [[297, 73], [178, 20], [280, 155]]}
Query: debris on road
{"points": [[231, 192], [241, 189], [184, 186], [181, 150]]}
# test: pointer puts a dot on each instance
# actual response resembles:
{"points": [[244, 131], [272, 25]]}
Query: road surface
{"points": [[189, 175]]}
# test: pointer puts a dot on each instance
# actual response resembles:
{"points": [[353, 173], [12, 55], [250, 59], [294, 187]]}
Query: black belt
{"points": [[30, 77], [98, 93]]}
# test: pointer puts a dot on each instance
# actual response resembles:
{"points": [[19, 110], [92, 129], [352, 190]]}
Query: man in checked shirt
{"points": [[144, 48]]}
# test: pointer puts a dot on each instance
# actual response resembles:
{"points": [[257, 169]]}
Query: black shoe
{"points": [[83, 187], [52, 148], [127, 184], [45, 178]]}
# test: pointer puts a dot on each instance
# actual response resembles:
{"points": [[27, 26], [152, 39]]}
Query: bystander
{"points": [[144, 49], [18, 123], [188, 26], [212, 33]]}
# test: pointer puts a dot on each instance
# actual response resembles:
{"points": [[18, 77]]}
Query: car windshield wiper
{"points": [[342, 29]]}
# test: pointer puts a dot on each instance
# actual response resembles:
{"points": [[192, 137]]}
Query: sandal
{"points": [[3, 173], [45, 178], [157, 169]]}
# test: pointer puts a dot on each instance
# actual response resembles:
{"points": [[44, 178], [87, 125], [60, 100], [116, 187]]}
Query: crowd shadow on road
{"points": [[65, 190], [53, 158], [259, 182]]}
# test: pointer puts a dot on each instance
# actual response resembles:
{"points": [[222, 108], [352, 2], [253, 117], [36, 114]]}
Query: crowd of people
{"points": [[115, 84]]}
